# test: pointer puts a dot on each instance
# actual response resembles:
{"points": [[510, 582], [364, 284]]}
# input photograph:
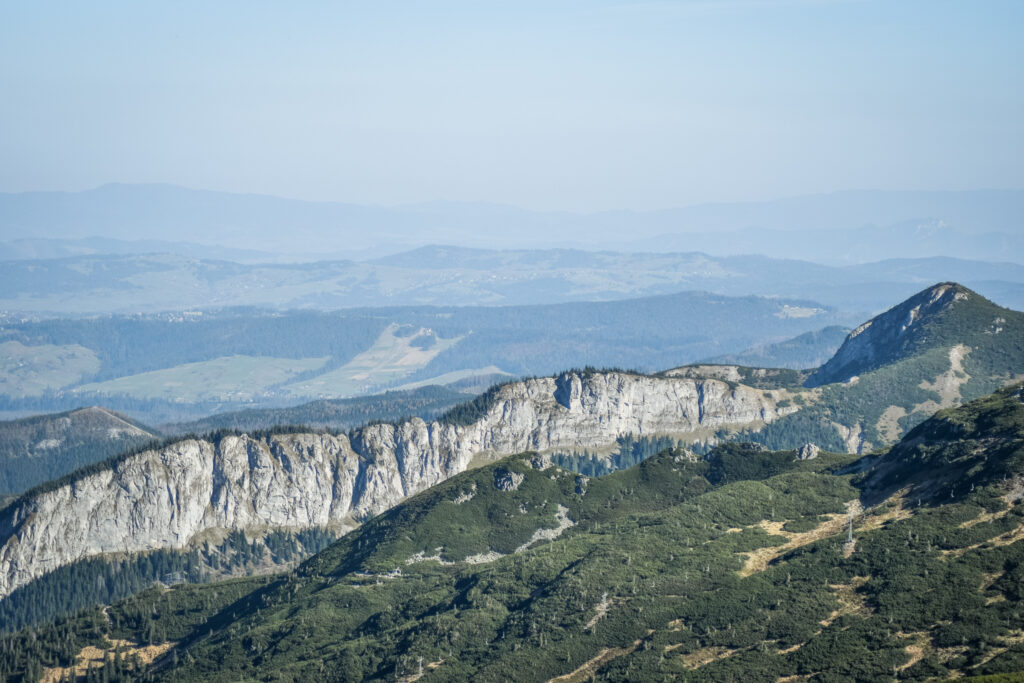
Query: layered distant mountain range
{"points": [[848, 227], [578, 446]]}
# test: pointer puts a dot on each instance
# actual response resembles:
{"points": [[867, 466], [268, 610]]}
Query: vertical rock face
{"points": [[169, 497]]}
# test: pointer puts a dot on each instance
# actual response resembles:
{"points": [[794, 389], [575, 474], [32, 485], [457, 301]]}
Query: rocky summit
{"points": [[897, 333]]}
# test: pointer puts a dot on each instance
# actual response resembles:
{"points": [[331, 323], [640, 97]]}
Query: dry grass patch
{"points": [[945, 654], [590, 667], [917, 649], [93, 657], [985, 517], [430, 666], [1002, 539], [850, 601], [1008, 641], [897, 512], [888, 424], [947, 385], [758, 560], [987, 579], [705, 656]]}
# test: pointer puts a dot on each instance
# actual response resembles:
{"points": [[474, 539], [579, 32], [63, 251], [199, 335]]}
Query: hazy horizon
{"points": [[581, 107], [286, 290], [503, 204]]}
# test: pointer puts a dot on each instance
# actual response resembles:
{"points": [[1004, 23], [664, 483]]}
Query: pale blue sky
{"points": [[567, 105]]}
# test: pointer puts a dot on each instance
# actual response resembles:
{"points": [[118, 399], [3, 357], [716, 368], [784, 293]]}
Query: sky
{"points": [[580, 106]]}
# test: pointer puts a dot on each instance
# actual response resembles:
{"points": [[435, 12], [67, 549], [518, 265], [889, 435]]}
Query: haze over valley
{"points": [[555, 342]]}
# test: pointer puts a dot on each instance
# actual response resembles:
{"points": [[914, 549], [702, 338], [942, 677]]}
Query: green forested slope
{"points": [[808, 350], [733, 568], [37, 449], [101, 580]]}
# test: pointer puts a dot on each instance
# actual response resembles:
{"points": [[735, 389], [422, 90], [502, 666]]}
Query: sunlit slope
{"points": [[740, 567]]}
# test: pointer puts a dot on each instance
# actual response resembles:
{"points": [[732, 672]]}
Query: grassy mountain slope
{"points": [[734, 568], [45, 447]]}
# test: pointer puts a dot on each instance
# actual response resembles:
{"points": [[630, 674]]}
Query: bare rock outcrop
{"points": [[171, 496], [808, 451]]}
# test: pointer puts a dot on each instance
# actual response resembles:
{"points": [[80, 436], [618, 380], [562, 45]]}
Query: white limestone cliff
{"points": [[171, 496]]}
